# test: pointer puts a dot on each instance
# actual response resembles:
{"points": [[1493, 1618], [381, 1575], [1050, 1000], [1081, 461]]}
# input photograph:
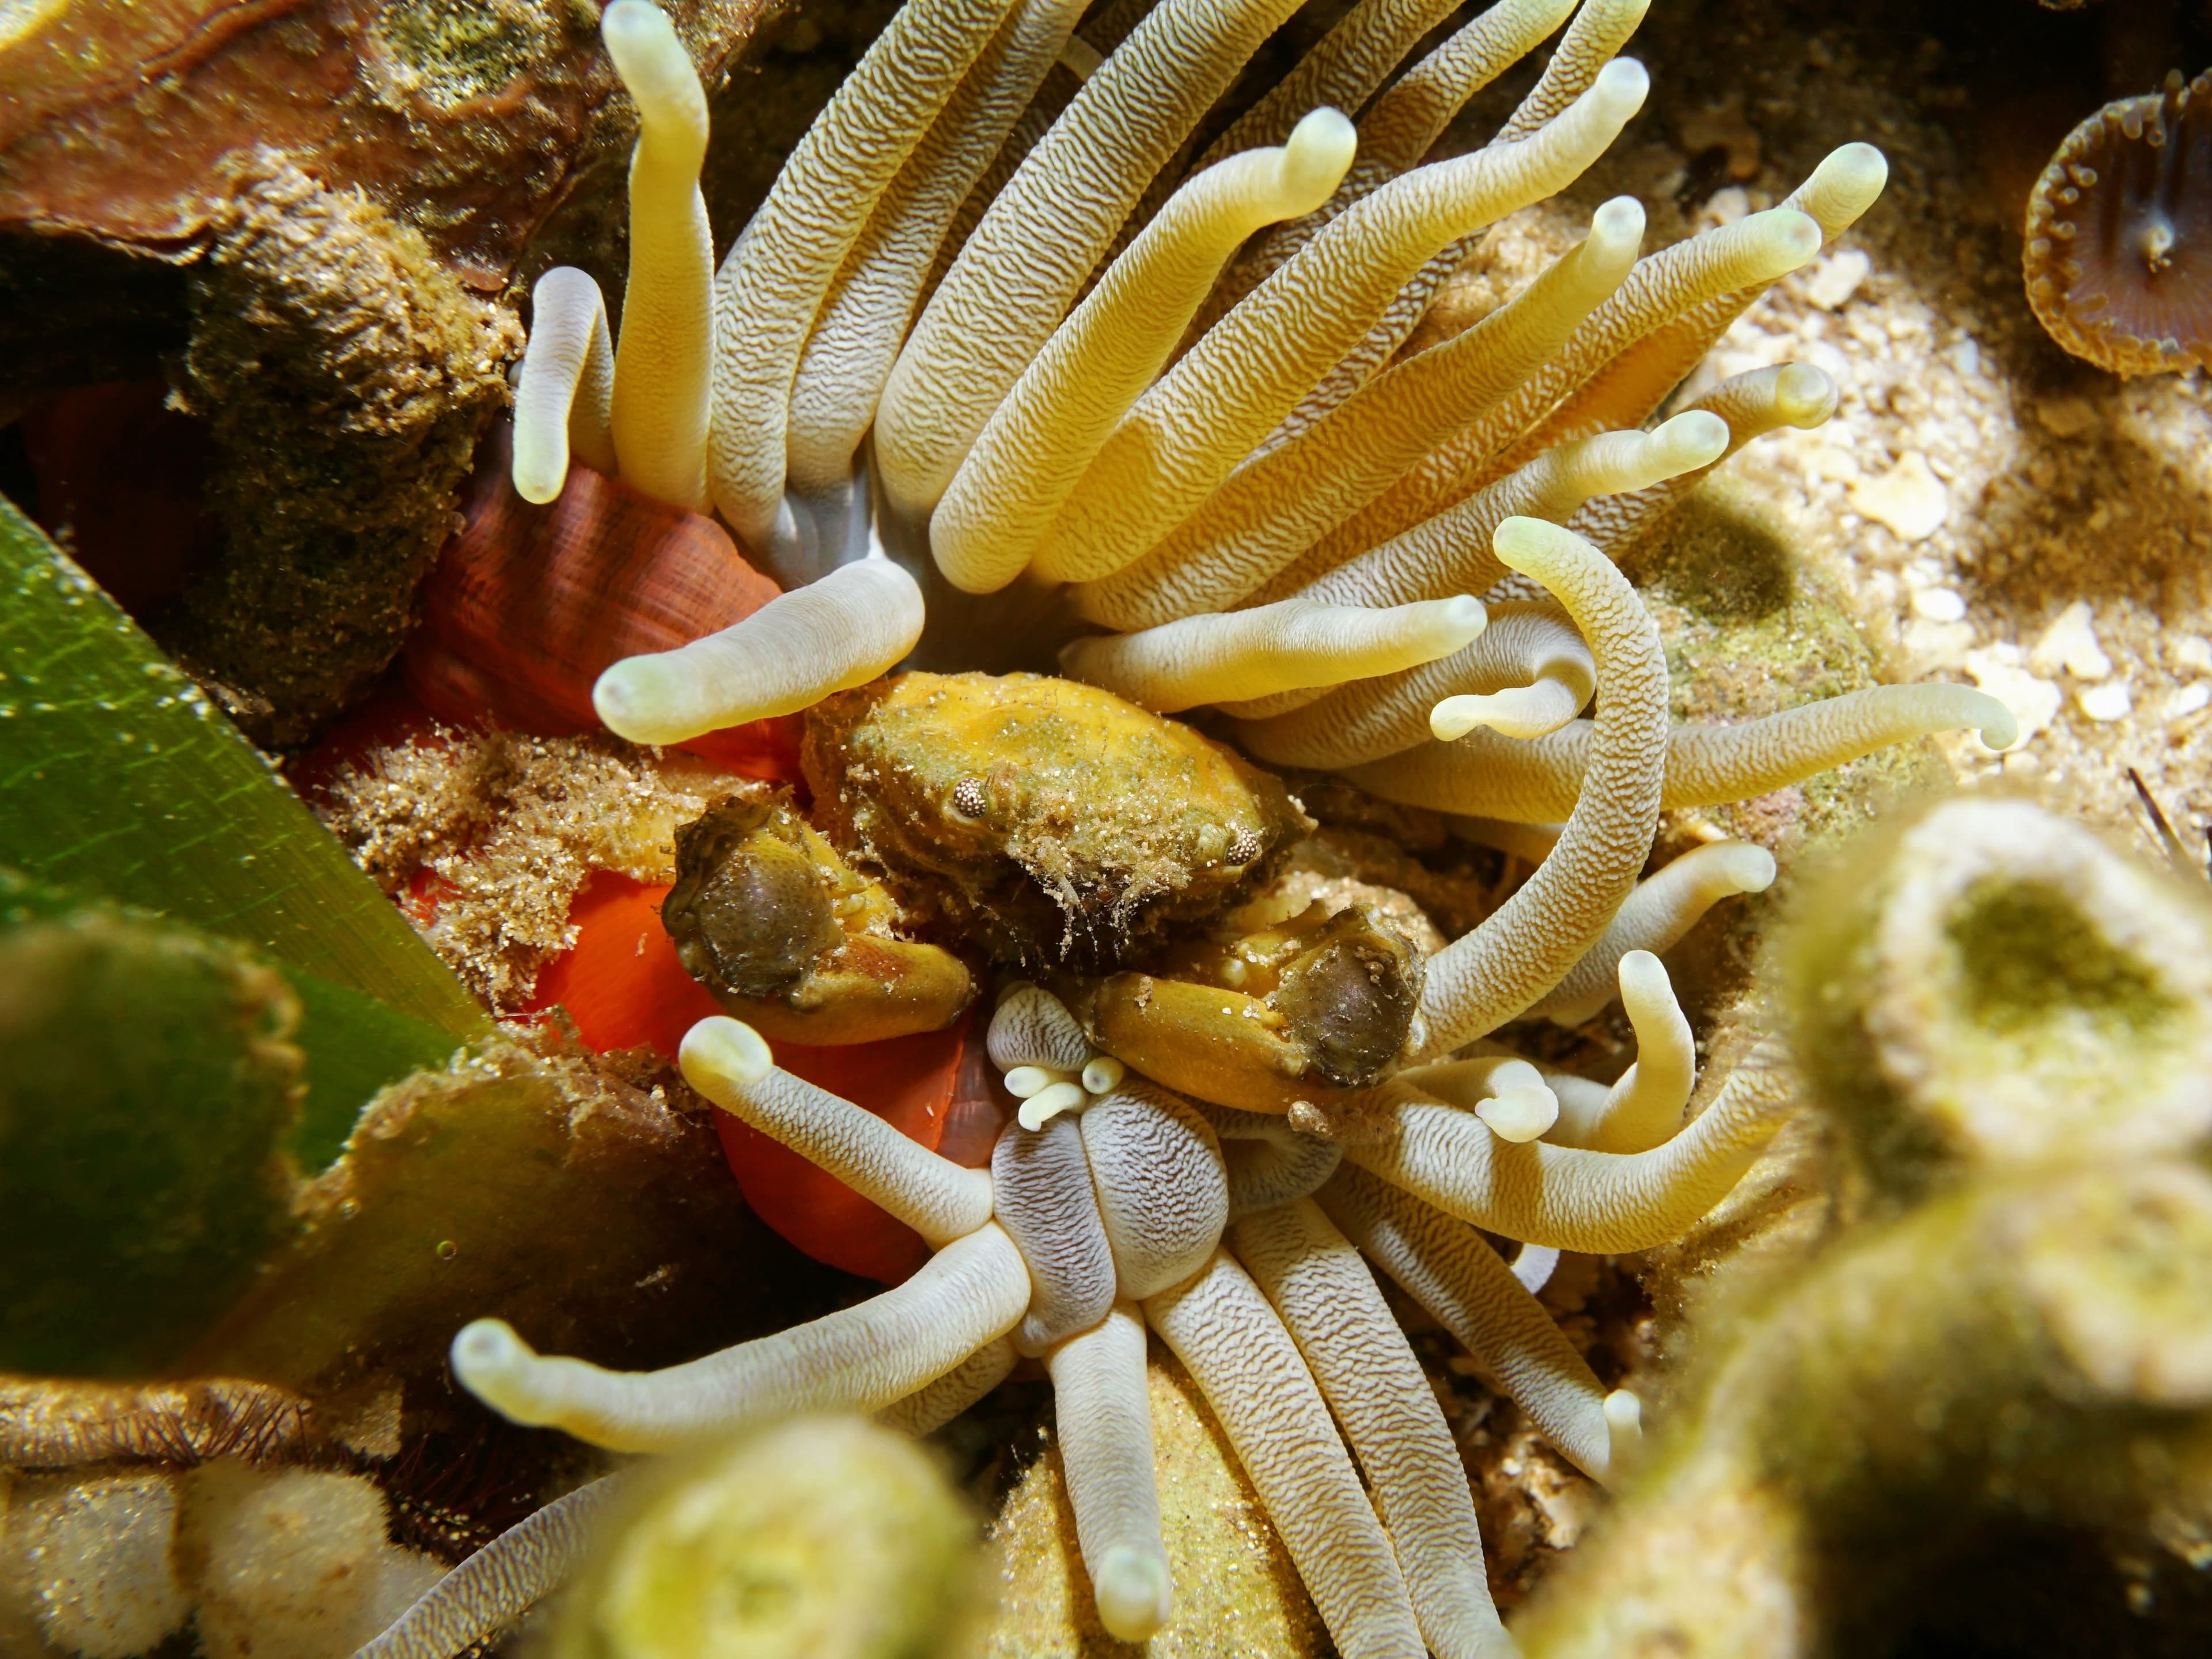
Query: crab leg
{"points": [[1367, 1372]]}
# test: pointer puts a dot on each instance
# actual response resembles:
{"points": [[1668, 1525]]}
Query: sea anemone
{"points": [[1201, 479], [2119, 233]]}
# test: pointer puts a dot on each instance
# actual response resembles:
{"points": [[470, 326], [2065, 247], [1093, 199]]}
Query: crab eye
{"points": [[968, 799]]}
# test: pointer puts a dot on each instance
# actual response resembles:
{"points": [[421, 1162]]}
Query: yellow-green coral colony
{"points": [[1209, 459]]}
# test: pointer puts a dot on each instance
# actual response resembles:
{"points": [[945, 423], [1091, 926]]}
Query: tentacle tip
{"points": [[540, 484], [1751, 867], [1617, 222], [1797, 235], [1999, 726], [633, 700], [1624, 1422], [1318, 153], [1520, 1115], [1701, 435], [1622, 85], [1464, 614], [1858, 165], [1134, 1591], [719, 1051], [1805, 396], [488, 1356], [1623, 1415], [1103, 1074]]}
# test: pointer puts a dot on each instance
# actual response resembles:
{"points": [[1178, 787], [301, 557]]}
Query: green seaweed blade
{"points": [[119, 777]]}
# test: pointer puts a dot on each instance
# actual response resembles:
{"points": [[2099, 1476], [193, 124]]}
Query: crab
{"points": [[968, 822]]}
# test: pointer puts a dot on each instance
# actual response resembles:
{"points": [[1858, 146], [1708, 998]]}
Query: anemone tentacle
{"points": [[1366, 1370], [862, 1358], [1643, 1107], [564, 397], [936, 1403], [1447, 1268], [1233, 1343], [775, 277], [1293, 646], [1533, 649], [1184, 436], [1106, 1452], [857, 333], [1521, 950], [1538, 781], [1606, 1203], [1276, 506], [1654, 918], [521, 1567], [1012, 279]]}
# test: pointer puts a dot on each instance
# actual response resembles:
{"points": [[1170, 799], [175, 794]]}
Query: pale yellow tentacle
{"points": [[1187, 433], [1041, 440], [1023, 264], [772, 284]]}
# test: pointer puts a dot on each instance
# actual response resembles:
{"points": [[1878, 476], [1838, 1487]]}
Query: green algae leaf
{"points": [[118, 777], [149, 1086]]}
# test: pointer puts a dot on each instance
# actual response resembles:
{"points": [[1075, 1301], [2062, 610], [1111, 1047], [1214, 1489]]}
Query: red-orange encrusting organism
{"points": [[623, 987], [2119, 233]]}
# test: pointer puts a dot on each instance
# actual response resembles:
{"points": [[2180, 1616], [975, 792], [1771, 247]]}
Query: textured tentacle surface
{"points": [[1156, 1167], [1754, 405], [773, 283], [1663, 286], [1538, 782], [1484, 979], [1105, 1427], [994, 519], [1269, 1162], [1451, 551], [934, 1404], [1041, 1181], [1654, 918], [1232, 1341], [1273, 508], [663, 360], [1524, 644], [1020, 268], [1644, 1106], [1367, 1372], [494, 1586], [1447, 1268], [856, 338], [1602, 1202], [1291, 647], [1186, 434], [1032, 1027], [971, 1292]]}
